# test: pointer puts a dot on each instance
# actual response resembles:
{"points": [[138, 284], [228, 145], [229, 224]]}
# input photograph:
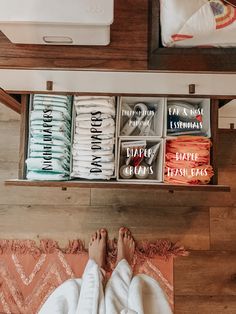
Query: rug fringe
{"points": [[144, 249]]}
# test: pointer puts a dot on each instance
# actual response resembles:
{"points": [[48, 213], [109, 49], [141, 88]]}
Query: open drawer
{"points": [[200, 59], [162, 138]]}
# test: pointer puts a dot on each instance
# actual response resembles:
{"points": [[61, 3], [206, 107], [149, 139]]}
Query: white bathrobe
{"points": [[124, 294]]}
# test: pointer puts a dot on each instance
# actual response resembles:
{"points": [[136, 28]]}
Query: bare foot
{"points": [[126, 246], [98, 247]]}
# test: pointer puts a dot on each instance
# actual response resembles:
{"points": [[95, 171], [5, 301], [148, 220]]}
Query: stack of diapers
{"points": [[50, 138], [191, 23], [93, 146]]}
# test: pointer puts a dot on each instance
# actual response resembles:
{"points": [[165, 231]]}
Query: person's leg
{"points": [[64, 300], [147, 297], [117, 289], [76, 296], [91, 300]]}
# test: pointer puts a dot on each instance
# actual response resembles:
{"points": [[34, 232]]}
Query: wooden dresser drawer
{"points": [[114, 184]]}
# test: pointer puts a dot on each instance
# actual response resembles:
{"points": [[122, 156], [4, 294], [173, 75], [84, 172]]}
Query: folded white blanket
{"points": [[187, 23]]}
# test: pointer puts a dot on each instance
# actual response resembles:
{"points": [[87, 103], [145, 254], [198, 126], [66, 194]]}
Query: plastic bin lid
{"points": [[87, 12]]}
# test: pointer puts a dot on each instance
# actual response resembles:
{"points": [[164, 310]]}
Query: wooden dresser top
{"points": [[128, 49]]}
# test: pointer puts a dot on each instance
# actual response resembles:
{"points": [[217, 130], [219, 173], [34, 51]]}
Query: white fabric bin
{"points": [[70, 22]]}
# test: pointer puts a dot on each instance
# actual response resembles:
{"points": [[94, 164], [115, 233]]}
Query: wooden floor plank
{"points": [[9, 142], [183, 225], [161, 198], [43, 196], [210, 273], [7, 114], [227, 149], [205, 305], [227, 176], [223, 228]]}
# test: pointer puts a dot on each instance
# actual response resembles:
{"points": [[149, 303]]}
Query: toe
{"points": [[126, 235], [98, 234], [122, 232], [93, 237], [103, 233]]}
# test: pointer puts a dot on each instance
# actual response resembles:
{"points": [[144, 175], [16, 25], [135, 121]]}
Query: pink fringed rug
{"points": [[30, 273]]}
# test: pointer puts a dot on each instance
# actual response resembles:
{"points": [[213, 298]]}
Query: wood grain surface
{"points": [[127, 50]]}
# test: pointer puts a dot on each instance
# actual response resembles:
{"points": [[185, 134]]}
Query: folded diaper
{"points": [[91, 137], [62, 136], [54, 107], [52, 148], [61, 156], [93, 141], [67, 99], [48, 176], [95, 109], [99, 153], [87, 117], [48, 115], [46, 163], [102, 123], [95, 130], [109, 98], [48, 140], [109, 166], [107, 103], [91, 158]]}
